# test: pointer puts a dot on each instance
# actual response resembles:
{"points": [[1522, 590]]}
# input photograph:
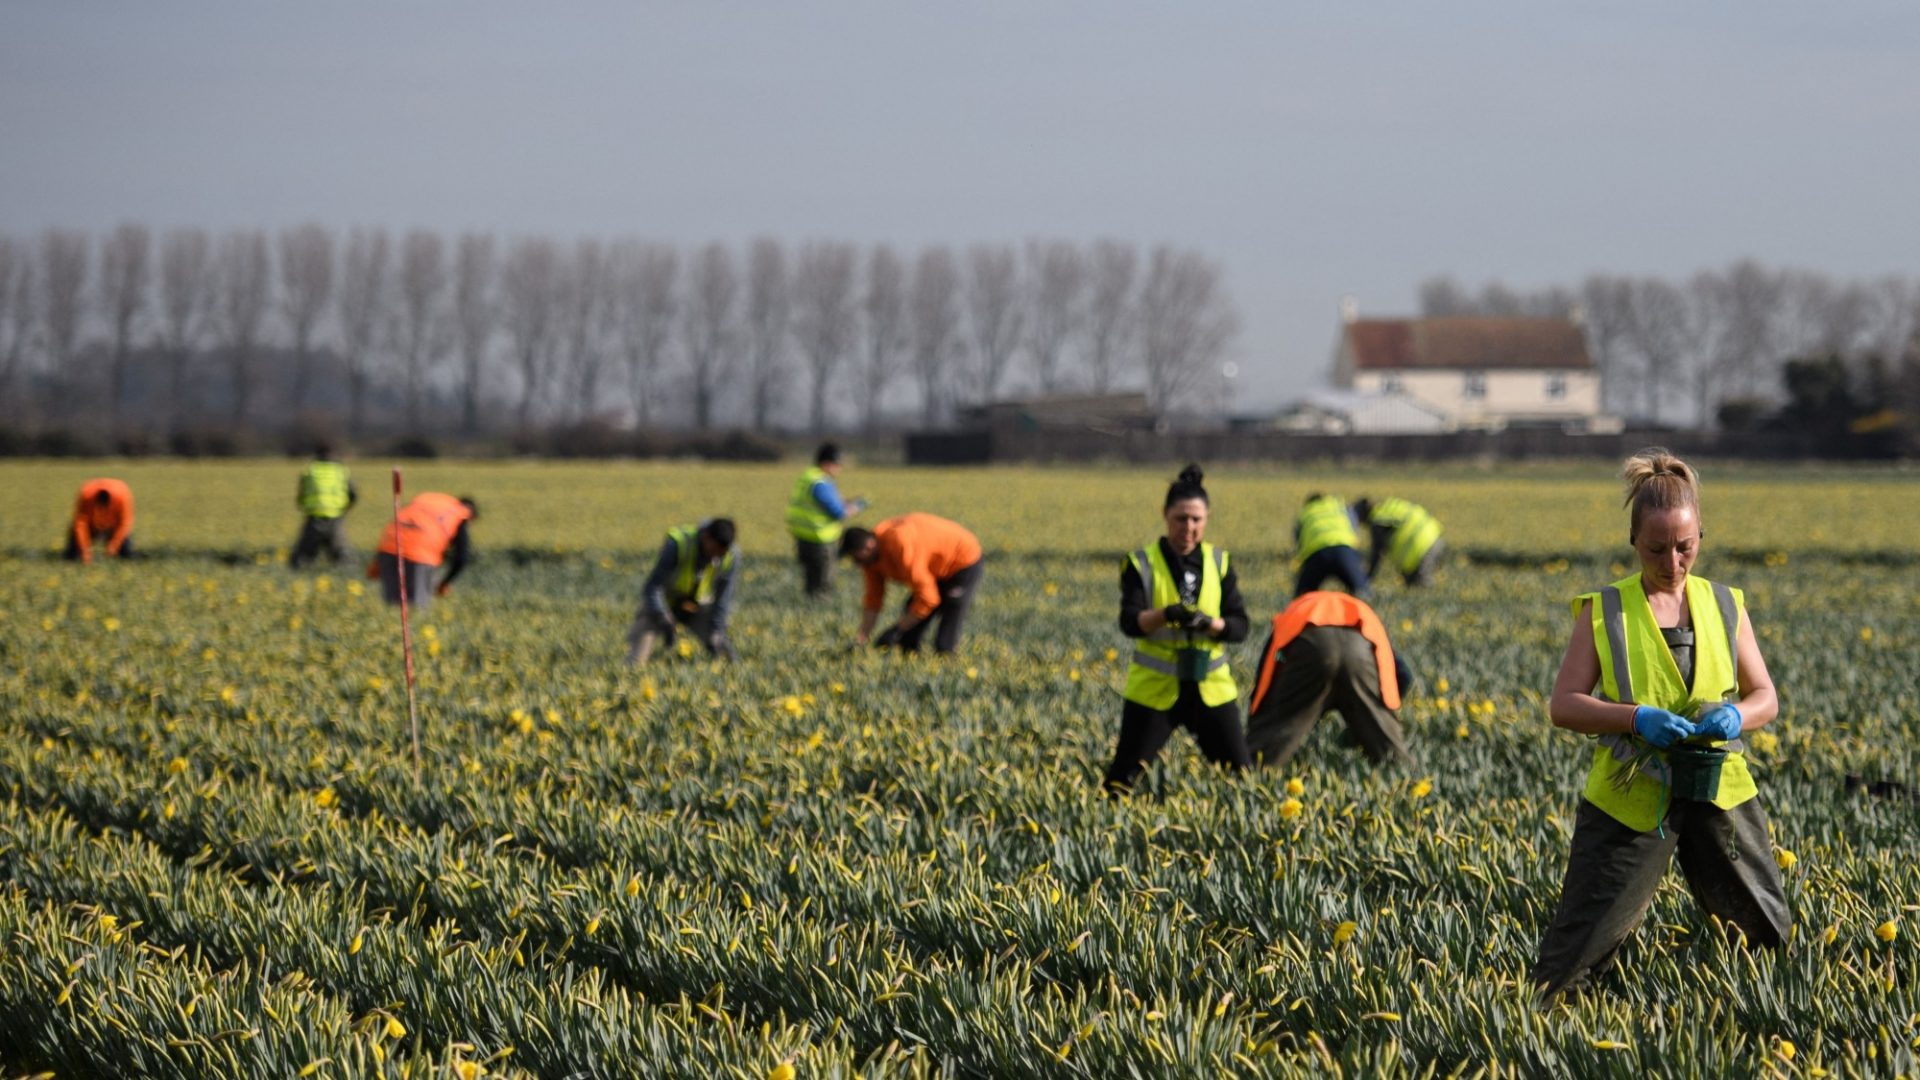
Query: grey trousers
{"points": [[1612, 872], [1325, 668], [320, 536], [419, 582]]}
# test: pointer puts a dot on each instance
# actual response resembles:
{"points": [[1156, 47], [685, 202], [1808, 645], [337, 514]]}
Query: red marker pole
{"points": [[406, 632]]}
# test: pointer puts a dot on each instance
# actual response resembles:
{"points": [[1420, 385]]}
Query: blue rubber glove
{"points": [[1719, 722], [1660, 727]]}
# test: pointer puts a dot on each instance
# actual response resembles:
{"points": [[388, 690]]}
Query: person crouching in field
{"points": [[105, 508], [691, 585], [940, 563], [433, 530], [325, 495], [1663, 667], [1404, 533], [1180, 602], [1327, 651], [1327, 545]]}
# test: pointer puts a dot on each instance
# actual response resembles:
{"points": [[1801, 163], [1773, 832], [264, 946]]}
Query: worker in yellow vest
{"points": [[1403, 533], [1180, 602], [816, 516], [1663, 669], [1326, 544], [325, 495], [692, 585]]}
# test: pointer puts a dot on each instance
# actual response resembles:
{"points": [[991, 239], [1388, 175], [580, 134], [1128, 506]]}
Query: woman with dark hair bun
{"points": [[1180, 602]]}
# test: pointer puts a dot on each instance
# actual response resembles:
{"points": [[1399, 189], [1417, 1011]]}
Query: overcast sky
{"points": [[1314, 149]]}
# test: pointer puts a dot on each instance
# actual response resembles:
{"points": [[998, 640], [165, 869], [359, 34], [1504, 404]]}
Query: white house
{"points": [[1483, 372]]}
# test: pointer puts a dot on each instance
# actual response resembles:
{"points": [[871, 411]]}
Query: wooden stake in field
{"points": [[406, 631]]}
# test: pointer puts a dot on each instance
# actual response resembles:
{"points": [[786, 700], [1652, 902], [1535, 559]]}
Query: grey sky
{"points": [[1315, 149]]}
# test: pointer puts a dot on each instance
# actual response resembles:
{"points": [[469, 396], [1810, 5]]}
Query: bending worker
{"points": [[691, 585], [105, 508], [1181, 604], [326, 493], [939, 562], [1326, 545], [1327, 651], [1404, 532], [1644, 651], [816, 516], [433, 530]]}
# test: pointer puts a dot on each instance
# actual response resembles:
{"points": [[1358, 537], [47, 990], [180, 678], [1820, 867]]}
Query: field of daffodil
{"points": [[216, 857]]}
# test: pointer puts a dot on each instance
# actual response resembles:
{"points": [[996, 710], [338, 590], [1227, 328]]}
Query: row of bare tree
{"points": [[1720, 335], [545, 331]]}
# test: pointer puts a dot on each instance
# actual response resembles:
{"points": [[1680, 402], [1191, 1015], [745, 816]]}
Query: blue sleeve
{"points": [[654, 595], [829, 499]]}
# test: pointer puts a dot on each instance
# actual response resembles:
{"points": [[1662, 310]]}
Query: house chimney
{"points": [[1349, 309]]}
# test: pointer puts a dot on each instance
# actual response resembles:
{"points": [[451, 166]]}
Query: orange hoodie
{"points": [[918, 550], [1330, 609], [114, 519]]}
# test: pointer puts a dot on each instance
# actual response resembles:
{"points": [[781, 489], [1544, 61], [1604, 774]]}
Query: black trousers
{"points": [[1339, 561], [816, 564], [72, 554], [319, 536], [956, 599], [1325, 668], [1144, 731], [1612, 871]]}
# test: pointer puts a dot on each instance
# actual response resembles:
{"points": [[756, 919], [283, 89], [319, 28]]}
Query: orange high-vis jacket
{"points": [[1330, 609], [918, 550], [114, 519], [427, 525]]}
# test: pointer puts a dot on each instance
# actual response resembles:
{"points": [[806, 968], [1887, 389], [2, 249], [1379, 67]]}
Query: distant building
{"points": [[1480, 372], [1348, 412]]}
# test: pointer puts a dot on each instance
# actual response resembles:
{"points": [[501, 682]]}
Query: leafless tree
{"points": [[1894, 304], [1056, 281], [711, 327], [1187, 321], [1606, 309], [306, 289], [474, 320], [240, 310], [1442, 296], [1659, 329], [583, 323], [769, 318], [529, 290], [422, 326], [824, 321], [187, 281], [1748, 296], [362, 306], [645, 303], [995, 314], [1803, 317], [883, 324], [1110, 311], [933, 311], [63, 276], [17, 314], [1712, 312], [126, 270]]}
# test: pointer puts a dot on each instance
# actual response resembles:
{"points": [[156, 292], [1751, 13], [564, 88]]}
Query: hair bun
{"points": [[1191, 475]]}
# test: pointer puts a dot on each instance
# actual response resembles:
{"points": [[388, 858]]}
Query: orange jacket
{"points": [[114, 519], [1330, 609], [918, 550], [427, 526]]}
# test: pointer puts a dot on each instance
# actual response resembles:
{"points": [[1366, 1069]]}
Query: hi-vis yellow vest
{"points": [[1624, 628], [686, 585], [1414, 532], [1153, 677], [806, 518], [1323, 524], [323, 490]]}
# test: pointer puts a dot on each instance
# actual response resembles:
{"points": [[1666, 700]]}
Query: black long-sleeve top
{"points": [[1187, 571], [459, 553]]}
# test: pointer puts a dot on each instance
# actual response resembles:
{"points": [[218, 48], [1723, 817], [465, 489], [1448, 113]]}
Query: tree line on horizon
{"points": [[426, 334]]}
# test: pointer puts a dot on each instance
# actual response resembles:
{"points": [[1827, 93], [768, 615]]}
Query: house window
{"points": [[1556, 387], [1390, 384], [1476, 385]]}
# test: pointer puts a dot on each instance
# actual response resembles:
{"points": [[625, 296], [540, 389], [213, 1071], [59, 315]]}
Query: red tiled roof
{"points": [[1468, 343]]}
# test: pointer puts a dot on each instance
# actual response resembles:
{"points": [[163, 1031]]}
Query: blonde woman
{"points": [[1664, 672]]}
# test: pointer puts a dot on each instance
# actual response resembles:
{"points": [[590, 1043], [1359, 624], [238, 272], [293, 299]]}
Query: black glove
{"points": [[887, 638], [1178, 615], [1199, 621]]}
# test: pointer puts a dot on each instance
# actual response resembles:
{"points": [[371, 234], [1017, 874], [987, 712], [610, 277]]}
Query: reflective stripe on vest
{"points": [[1636, 667], [806, 518], [1153, 673], [686, 543], [1323, 524], [323, 490]]}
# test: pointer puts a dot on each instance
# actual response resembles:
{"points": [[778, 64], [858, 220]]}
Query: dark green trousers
{"points": [[1325, 668], [1612, 872]]}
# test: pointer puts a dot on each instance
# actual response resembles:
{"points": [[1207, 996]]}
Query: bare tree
{"points": [[994, 313], [1186, 323], [583, 321], [1056, 281], [1894, 304], [63, 276], [1658, 328], [884, 324], [362, 306], [824, 322], [711, 328], [645, 302], [306, 288], [19, 310], [422, 324], [1606, 307], [473, 319], [1748, 295], [1711, 314], [1110, 310], [187, 279], [245, 292], [126, 270], [529, 289], [768, 320], [933, 311], [1442, 296]]}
